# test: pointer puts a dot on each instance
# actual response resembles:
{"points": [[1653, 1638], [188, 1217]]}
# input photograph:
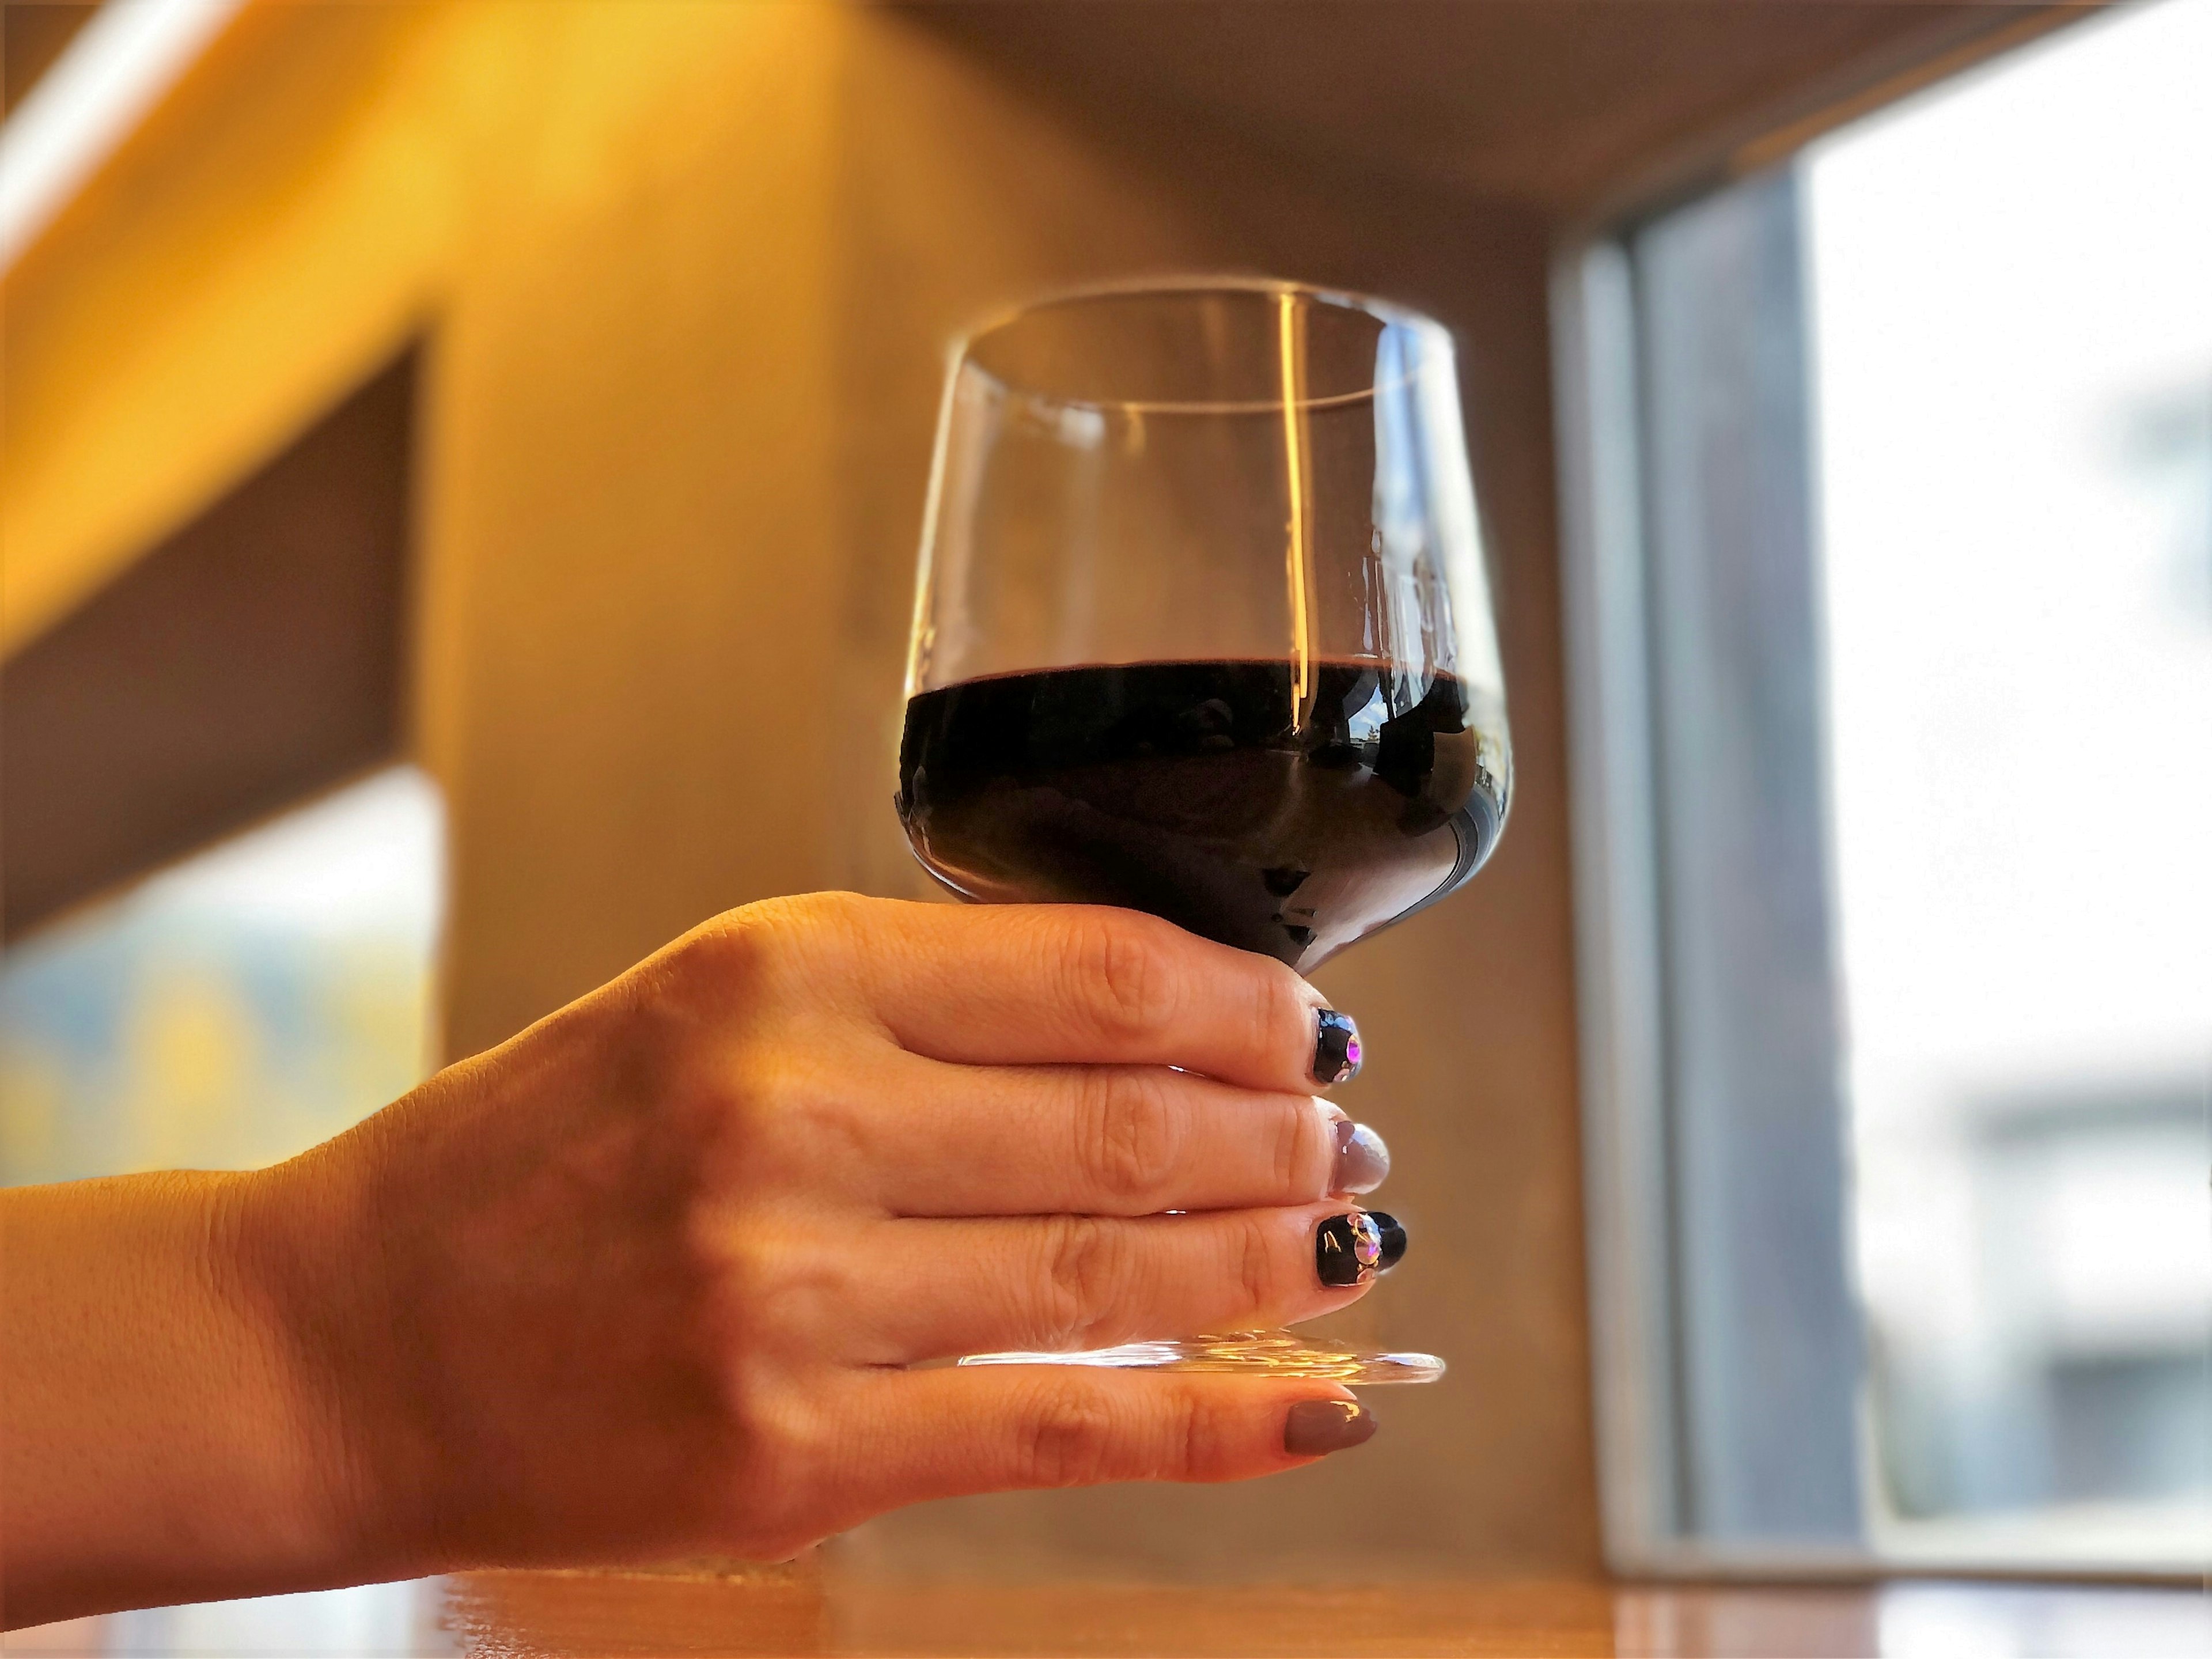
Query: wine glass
{"points": [[1201, 629]]}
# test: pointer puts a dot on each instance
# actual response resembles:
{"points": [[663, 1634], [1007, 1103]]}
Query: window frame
{"points": [[1637, 1261], [1641, 1259]]}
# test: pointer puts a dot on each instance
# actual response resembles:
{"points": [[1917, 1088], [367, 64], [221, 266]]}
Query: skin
{"points": [[647, 1281]]}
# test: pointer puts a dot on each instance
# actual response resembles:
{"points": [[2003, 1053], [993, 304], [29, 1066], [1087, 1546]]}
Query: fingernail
{"points": [[1316, 1426], [1336, 1048], [1392, 1233], [1346, 1250], [1362, 1160]]}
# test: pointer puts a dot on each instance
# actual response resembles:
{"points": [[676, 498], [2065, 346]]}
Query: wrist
{"points": [[310, 1275], [159, 1444]]}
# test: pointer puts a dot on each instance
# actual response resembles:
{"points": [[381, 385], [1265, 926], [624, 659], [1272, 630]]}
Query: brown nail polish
{"points": [[1317, 1426], [1362, 1160]]}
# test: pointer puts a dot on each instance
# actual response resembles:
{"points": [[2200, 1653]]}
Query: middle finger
{"points": [[1111, 1140]]}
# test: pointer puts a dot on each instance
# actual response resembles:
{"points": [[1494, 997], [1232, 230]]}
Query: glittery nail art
{"points": [[1391, 1234], [1347, 1250], [1336, 1048]]}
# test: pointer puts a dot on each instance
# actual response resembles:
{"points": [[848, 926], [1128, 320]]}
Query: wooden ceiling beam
{"points": [[1565, 105]]}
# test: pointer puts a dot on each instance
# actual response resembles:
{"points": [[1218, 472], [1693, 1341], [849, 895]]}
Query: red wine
{"points": [[1191, 790]]}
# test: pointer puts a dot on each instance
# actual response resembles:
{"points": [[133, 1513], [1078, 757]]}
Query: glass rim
{"points": [[960, 359]]}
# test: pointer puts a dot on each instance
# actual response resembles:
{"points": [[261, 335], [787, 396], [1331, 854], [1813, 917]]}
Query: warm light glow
{"points": [[112, 73]]}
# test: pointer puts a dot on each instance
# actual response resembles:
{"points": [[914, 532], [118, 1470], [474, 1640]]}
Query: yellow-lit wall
{"points": [[685, 271]]}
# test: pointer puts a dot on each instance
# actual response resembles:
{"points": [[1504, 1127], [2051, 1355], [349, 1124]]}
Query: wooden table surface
{"points": [[518, 1615]]}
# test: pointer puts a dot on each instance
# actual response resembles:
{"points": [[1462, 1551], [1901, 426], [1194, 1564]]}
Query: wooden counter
{"points": [[519, 1615]]}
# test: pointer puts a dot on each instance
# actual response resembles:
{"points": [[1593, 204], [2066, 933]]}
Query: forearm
{"points": [[158, 1439]]}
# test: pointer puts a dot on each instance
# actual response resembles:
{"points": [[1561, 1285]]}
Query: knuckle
{"points": [[1258, 1276], [729, 1089], [804, 1110], [761, 942], [846, 917], [1197, 1437], [805, 911], [740, 1125], [746, 1386], [1085, 1272], [1285, 1007], [786, 1455], [805, 1441], [735, 961], [745, 1268], [1065, 1440], [1125, 974], [787, 1289], [743, 940], [1131, 1133], [1297, 1160]]}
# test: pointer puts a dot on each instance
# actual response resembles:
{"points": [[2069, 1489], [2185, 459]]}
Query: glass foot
{"points": [[1278, 1353]]}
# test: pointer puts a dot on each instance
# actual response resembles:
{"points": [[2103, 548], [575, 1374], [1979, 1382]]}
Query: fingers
{"points": [[932, 1290], [946, 1433], [1040, 984], [1127, 1141]]}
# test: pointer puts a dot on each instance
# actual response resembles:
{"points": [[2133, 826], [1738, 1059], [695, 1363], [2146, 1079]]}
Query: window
{"points": [[178, 987], [236, 1008], [1890, 501]]}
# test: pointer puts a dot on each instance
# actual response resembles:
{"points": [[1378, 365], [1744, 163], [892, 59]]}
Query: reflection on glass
{"points": [[2012, 301], [237, 1008]]}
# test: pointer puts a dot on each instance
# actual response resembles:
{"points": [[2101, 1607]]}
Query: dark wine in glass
{"points": [[1189, 790], [1202, 630]]}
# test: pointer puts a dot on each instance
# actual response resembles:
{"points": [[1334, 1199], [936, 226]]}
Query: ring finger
{"points": [[1057, 1284]]}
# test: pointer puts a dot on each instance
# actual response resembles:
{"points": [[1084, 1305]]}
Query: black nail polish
{"points": [[1336, 1048], [1362, 1160], [1346, 1250], [1391, 1233], [1316, 1426]]}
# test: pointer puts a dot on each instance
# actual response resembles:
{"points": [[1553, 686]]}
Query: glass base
{"points": [[1271, 1353]]}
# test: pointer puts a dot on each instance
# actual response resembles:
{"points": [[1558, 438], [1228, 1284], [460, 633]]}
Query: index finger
{"points": [[1075, 984]]}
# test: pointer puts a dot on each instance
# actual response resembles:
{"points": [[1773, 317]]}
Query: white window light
{"points": [[118, 68]]}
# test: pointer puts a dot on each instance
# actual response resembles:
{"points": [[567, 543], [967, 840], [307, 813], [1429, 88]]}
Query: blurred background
{"points": [[463, 466], [2015, 453]]}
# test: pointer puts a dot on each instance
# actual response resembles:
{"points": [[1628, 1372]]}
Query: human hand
{"points": [[647, 1279]]}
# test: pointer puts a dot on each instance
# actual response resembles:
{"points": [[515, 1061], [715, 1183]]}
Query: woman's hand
{"points": [[649, 1280]]}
